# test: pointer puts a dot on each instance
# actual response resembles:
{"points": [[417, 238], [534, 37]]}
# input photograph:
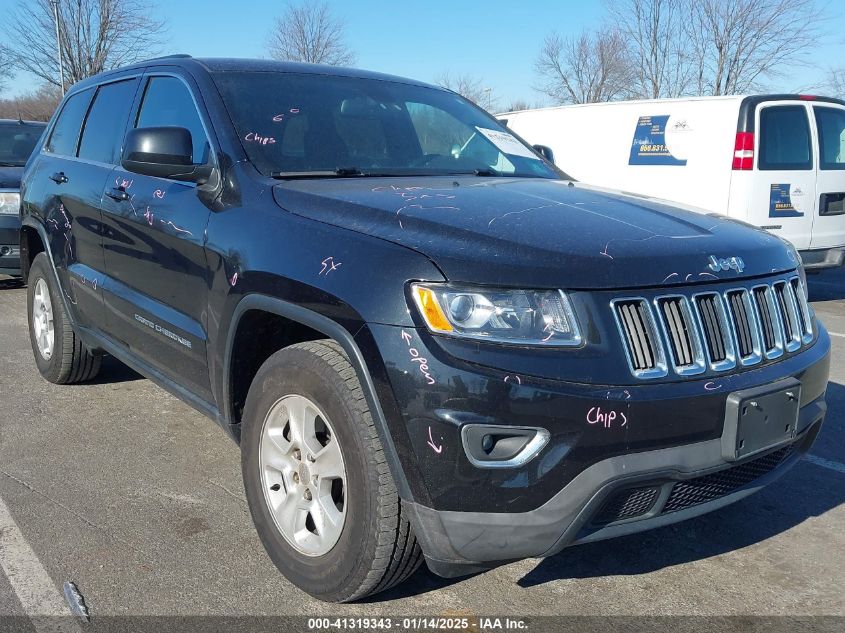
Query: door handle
{"points": [[118, 194], [59, 178]]}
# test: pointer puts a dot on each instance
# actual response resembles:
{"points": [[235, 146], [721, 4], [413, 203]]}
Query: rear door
{"points": [[783, 197], [154, 244], [829, 225]]}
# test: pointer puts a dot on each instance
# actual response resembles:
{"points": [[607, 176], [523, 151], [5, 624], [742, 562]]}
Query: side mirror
{"points": [[546, 152], [163, 152]]}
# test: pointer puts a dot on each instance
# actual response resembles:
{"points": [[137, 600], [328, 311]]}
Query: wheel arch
{"points": [[323, 327]]}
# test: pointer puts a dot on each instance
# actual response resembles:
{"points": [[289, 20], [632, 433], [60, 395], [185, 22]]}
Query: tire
{"points": [[67, 360], [376, 548]]}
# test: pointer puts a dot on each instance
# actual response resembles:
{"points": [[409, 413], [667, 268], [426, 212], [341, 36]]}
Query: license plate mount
{"points": [[760, 418]]}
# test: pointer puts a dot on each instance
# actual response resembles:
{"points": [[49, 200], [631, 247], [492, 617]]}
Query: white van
{"points": [[775, 161]]}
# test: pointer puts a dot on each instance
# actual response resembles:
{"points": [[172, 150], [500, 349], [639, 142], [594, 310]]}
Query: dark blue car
{"points": [[429, 342], [17, 140]]}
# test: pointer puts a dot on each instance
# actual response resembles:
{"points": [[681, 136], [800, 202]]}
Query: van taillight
{"points": [[744, 151]]}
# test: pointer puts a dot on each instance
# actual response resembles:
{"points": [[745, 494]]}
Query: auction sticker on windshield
{"points": [[506, 143]]}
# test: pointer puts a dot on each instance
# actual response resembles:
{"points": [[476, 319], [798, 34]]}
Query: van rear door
{"points": [[783, 195], [829, 225]]}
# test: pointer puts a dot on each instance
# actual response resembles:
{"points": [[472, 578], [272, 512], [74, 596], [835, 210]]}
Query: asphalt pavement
{"points": [[125, 491]]}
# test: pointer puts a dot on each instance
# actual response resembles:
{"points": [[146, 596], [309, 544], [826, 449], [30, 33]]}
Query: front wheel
{"points": [[318, 485], [60, 354]]}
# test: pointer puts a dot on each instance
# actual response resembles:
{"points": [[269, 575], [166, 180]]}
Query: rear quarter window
{"points": [[65, 134], [785, 138]]}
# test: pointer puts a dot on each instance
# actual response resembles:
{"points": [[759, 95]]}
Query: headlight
{"points": [[519, 317], [10, 202]]}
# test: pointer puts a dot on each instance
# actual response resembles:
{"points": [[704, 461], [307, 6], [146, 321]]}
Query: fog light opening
{"points": [[489, 446]]}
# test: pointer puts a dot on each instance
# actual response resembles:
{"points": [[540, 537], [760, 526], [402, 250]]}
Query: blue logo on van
{"points": [[780, 201], [649, 144]]}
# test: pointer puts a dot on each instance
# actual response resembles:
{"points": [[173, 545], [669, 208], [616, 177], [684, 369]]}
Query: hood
{"points": [[539, 233], [10, 177]]}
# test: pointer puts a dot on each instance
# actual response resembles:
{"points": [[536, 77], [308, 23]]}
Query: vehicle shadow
{"points": [[113, 371], [827, 285], [10, 283], [806, 491]]}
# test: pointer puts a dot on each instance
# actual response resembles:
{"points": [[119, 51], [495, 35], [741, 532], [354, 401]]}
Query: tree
{"points": [[308, 32], [835, 84], [590, 68], [659, 52], [37, 105], [516, 105], [95, 35], [6, 70], [469, 87], [737, 43]]}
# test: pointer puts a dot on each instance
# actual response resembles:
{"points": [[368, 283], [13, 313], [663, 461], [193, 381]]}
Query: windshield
{"points": [[298, 124], [17, 140]]}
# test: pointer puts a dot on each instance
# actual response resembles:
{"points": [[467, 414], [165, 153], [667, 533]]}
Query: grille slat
{"points": [[788, 309], [761, 299], [712, 328], [786, 317], [645, 354], [680, 343], [740, 325], [634, 327]]}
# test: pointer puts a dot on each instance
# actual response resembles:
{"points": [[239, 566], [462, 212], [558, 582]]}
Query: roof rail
{"points": [[174, 55]]}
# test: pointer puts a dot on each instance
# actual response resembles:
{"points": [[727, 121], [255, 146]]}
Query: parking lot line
{"points": [[837, 334], [41, 600], [825, 463]]}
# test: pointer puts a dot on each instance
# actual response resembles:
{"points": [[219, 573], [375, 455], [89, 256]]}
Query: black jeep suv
{"points": [[17, 140], [428, 342]]}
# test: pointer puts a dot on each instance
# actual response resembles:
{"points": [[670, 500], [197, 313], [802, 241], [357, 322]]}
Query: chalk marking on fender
{"points": [[41, 600]]}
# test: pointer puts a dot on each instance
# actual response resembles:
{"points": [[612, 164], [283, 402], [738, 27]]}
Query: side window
{"points": [[103, 133], [785, 138], [65, 133], [831, 124], [168, 103]]}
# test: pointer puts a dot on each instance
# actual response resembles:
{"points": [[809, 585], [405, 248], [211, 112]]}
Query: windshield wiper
{"points": [[343, 172], [7, 164]]}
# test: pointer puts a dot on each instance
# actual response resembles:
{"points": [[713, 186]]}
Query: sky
{"points": [[493, 40]]}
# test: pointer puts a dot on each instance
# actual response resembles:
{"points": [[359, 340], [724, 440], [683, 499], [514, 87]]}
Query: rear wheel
{"points": [[59, 353], [318, 485]]}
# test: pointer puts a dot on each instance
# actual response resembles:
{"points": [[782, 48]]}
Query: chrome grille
{"points": [[712, 329], [714, 323], [769, 318], [643, 348], [677, 323]]}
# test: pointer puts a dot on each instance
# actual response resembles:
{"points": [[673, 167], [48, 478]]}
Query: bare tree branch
{"points": [[6, 68], [308, 32], [469, 87], [590, 68], [96, 35], [37, 105], [835, 84], [738, 43], [659, 53]]}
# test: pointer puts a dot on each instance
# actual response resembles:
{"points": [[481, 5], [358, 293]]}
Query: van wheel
{"points": [[60, 355], [318, 485]]}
